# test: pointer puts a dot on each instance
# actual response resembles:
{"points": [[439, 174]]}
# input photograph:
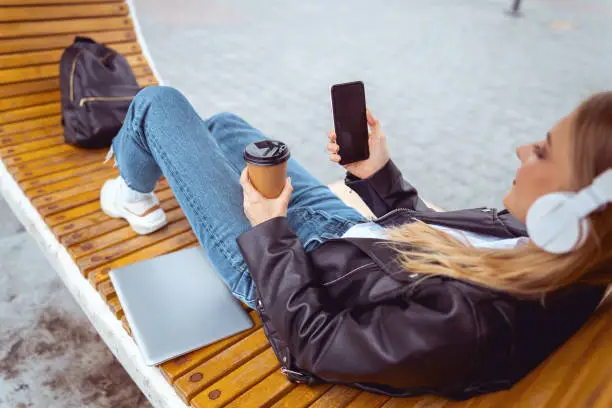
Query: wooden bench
{"points": [[53, 188]]}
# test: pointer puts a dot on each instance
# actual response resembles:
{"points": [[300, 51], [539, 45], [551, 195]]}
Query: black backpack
{"points": [[97, 86]]}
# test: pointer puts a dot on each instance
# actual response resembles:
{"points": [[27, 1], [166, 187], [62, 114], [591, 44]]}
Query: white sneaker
{"points": [[141, 210]]}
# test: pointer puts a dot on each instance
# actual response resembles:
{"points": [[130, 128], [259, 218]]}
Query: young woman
{"points": [[454, 303]]}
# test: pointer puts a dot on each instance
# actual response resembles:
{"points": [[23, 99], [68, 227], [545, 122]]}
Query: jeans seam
{"points": [[241, 265]]}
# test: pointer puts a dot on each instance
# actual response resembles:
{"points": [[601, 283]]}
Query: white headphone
{"points": [[558, 222]]}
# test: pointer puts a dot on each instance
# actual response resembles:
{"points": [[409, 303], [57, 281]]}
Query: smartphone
{"points": [[350, 122]]}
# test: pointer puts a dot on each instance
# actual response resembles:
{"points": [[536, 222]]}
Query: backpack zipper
{"points": [[83, 101], [72, 71]]}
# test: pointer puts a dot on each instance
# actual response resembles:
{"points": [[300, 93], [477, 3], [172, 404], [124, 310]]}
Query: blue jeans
{"points": [[202, 161]]}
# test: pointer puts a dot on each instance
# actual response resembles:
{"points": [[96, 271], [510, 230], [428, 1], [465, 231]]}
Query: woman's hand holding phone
{"points": [[379, 152]]}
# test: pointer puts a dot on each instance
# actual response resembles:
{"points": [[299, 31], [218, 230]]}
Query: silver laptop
{"points": [[177, 303]]}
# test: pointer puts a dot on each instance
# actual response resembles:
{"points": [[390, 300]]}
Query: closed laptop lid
{"points": [[177, 303]]}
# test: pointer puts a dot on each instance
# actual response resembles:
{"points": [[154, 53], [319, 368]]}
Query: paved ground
{"points": [[457, 86]]}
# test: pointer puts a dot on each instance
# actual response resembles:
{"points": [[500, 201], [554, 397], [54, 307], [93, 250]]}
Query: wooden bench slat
{"points": [[48, 42], [184, 240], [18, 138], [114, 237], [24, 59], [79, 211], [64, 157], [26, 88], [96, 173], [231, 385], [264, 394], [31, 29], [72, 193], [71, 202], [28, 73], [337, 397], [58, 12], [301, 397], [30, 58], [27, 147], [112, 253], [61, 175], [59, 149], [175, 368], [97, 223], [368, 400], [30, 124], [72, 158], [23, 101], [59, 161], [31, 112], [202, 375], [34, 169]]}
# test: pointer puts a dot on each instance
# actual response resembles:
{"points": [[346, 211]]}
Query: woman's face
{"points": [[545, 168]]}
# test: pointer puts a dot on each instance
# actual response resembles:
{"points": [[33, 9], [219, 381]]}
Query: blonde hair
{"points": [[528, 271]]}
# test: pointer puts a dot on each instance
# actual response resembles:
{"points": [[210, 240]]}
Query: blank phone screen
{"points": [[348, 101]]}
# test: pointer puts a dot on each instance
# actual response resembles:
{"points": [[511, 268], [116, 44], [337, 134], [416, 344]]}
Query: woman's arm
{"points": [[386, 190], [423, 342]]}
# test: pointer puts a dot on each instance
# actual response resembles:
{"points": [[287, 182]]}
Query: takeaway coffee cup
{"points": [[267, 166]]}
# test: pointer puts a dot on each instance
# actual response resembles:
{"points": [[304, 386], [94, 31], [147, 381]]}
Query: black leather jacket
{"points": [[348, 313]]}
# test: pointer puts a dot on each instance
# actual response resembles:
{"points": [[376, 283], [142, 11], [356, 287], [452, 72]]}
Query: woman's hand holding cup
{"points": [[258, 208], [379, 152]]}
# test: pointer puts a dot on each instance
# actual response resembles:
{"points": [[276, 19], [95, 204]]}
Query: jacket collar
{"points": [[482, 220]]}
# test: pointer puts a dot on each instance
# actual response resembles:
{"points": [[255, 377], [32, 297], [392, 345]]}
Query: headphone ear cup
{"points": [[553, 225]]}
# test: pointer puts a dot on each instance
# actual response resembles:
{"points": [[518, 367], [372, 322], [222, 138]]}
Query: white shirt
{"points": [[373, 230]]}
